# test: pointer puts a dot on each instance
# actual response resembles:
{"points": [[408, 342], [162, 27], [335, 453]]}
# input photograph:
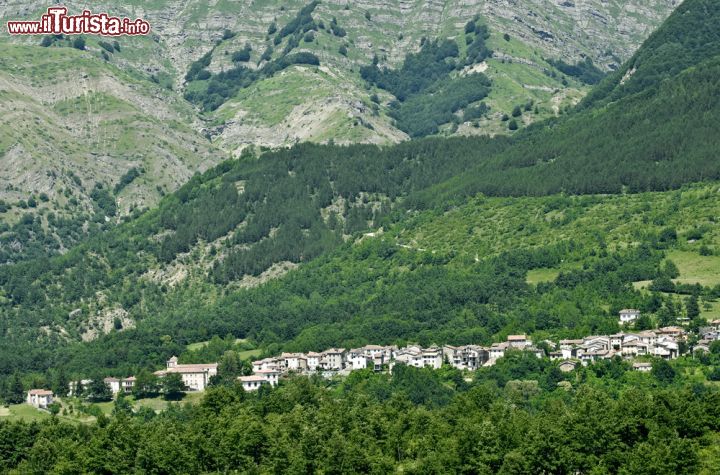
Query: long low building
{"points": [[195, 376]]}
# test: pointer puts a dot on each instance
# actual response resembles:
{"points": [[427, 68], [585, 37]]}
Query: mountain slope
{"points": [[249, 220], [82, 141], [525, 36], [115, 118]]}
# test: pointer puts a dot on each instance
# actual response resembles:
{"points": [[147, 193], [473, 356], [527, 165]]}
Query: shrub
{"points": [[79, 43]]}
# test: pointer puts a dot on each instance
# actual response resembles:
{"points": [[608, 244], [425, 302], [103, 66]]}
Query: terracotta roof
{"points": [[191, 368], [516, 338], [251, 379], [40, 392]]}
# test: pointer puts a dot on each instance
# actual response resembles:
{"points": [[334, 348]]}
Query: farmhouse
{"points": [[642, 367], [40, 398]]}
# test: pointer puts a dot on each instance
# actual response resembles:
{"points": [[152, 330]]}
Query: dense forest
{"points": [[428, 89], [521, 416]]}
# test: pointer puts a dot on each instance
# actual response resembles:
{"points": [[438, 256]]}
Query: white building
{"points": [[628, 315], [432, 358], [114, 384], [252, 383], [357, 359], [272, 376], [196, 377], [313, 360], [642, 367], [40, 398]]}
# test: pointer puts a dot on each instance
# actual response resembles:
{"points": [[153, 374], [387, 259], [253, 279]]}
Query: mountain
{"points": [[343, 212], [130, 119]]}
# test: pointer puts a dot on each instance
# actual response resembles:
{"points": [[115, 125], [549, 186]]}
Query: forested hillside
{"points": [[251, 220]]}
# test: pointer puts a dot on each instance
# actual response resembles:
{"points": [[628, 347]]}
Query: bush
{"points": [[512, 125], [106, 46], [241, 56], [79, 43]]}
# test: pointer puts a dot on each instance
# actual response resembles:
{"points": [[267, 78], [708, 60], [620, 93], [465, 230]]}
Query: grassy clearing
{"points": [[249, 353], [202, 344], [23, 412], [695, 268], [544, 274]]}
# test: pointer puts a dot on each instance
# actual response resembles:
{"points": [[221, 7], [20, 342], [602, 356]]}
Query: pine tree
{"points": [[99, 391], [60, 384], [692, 308], [16, 391]]}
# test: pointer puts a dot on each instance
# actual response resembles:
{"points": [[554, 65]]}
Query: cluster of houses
{"points": [[660, 343]]}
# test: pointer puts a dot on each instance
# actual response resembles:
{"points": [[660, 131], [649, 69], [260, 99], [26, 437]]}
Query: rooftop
{"points": [[516, 338], [40, 392]]}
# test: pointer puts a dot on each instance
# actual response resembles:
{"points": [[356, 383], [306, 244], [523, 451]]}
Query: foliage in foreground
{"points": [[604, 420]]}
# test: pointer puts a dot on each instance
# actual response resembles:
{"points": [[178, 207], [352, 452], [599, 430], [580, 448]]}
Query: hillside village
{"points": [[666, 343]]}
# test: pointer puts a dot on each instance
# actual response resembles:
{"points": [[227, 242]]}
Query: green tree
{"points": [[61, 383], [173, 387], [517, 111], [98, 391], [79, 43], [16, 391], [146, 385], [121, 406], [663, 371], [691, 307]]}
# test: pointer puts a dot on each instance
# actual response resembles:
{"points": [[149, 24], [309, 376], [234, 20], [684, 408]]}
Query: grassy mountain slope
{"points": [[74, 123], [606, 32]]}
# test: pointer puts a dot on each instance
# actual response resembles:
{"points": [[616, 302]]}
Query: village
{"points": [[665, 343]]}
